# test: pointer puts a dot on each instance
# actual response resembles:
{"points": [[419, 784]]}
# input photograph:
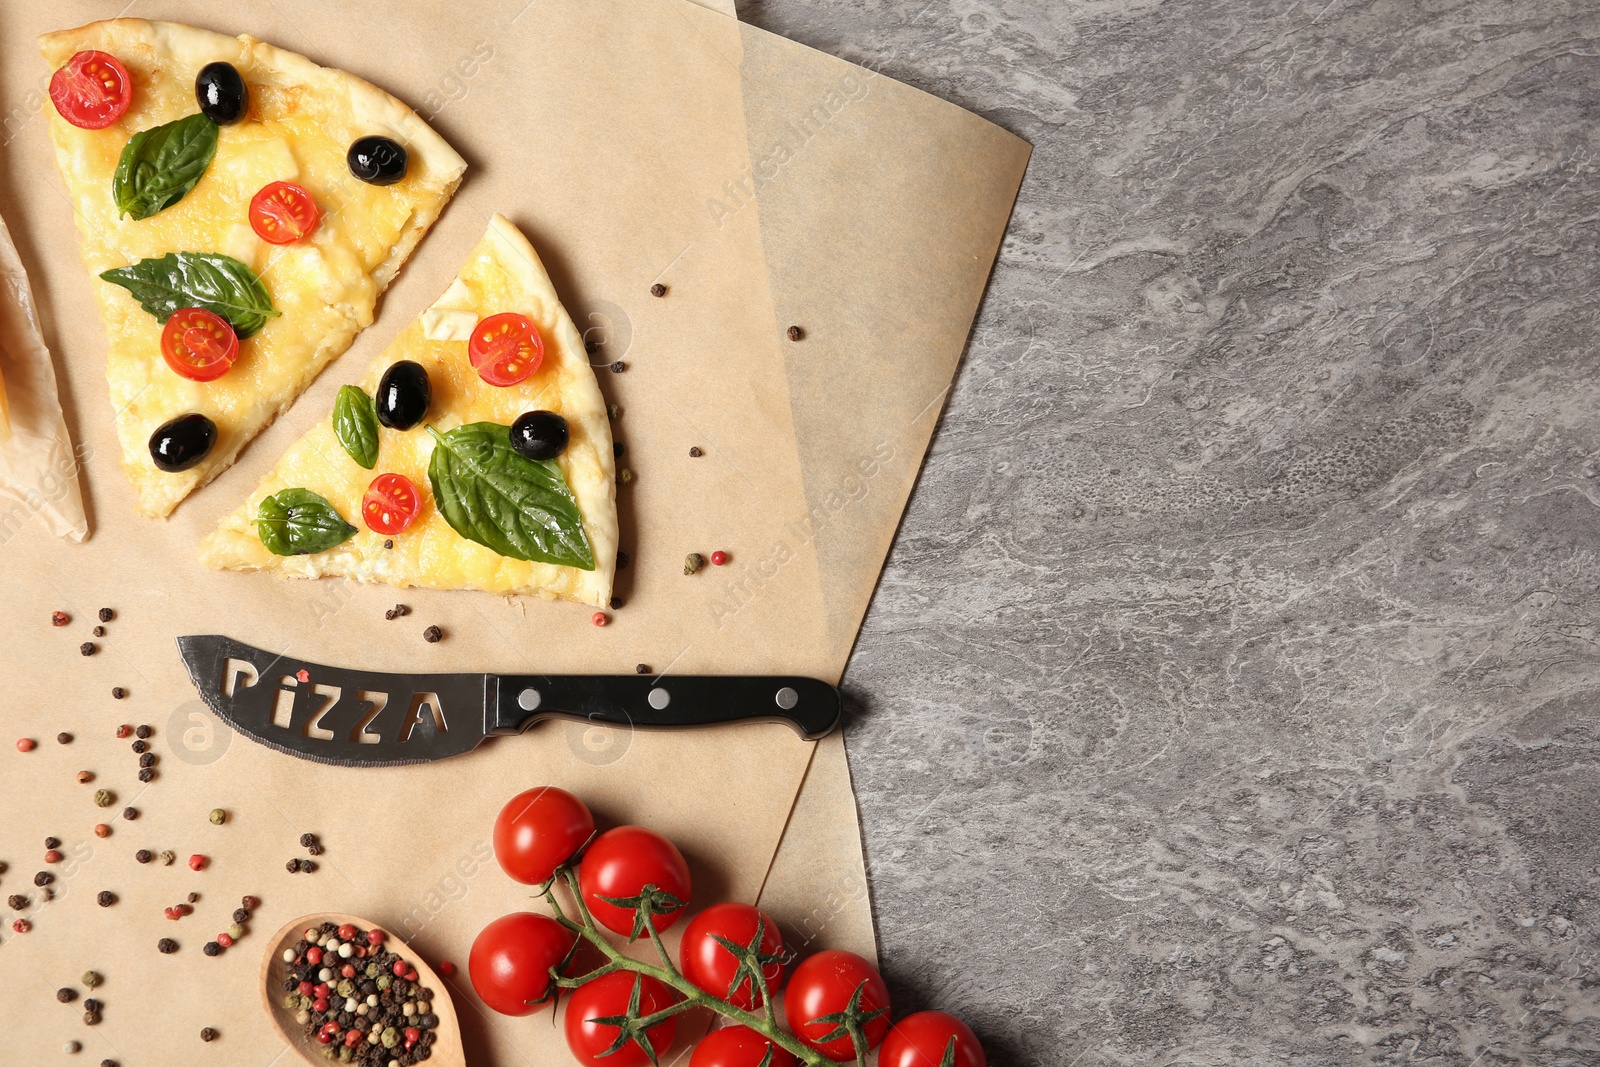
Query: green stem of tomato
{"points": [[667, 974]]}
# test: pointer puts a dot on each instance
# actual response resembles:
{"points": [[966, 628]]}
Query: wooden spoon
{"points": [[447, 1050]]}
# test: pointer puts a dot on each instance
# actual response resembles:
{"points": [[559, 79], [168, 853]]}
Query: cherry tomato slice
{"points": [[505, 348], [283, 213], [92, 91], [198, 344], [391, 503]]}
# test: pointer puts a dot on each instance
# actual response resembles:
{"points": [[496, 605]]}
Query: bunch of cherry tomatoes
{"points": [[624, 1013]]}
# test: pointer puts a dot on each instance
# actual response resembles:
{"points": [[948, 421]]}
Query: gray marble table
{"points": [[1231, 693]]}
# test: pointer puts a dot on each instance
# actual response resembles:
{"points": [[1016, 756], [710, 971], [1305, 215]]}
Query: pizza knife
{"points": [[359, 718]]}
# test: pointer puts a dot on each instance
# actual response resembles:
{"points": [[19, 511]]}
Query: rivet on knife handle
{"points": [[811, 707]]}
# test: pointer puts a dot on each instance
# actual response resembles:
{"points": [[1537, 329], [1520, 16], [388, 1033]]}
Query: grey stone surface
{"points": [[1231, 693]]}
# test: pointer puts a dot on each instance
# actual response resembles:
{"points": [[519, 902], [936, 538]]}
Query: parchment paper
{"points": [[633, 142]]}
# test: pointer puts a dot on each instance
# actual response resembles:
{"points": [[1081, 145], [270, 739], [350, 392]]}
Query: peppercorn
{"points": [[98, 631], [59, 618], [197, 862], [139, 747], [105, 898], [240, 915], [102, 830], [63, 738], [622, 560], [388, 543], [17, 902], [166, 946], [658, 289], [211, 948], [168, 857], [250, 903], [87, 648], [90, 979], [91, 1018], [618, 448], [694, 452], [224, 940], [66, 994], [208, 1034], [641, 668], [143, 855], [53, 856], [25, 744], [147, 774], [73, 1047], [307, 840], [293, 866], [599, 618], [718, 558], [52, 843], [85, 777], [106, 615], [43, 878], [445, 968], [104, 798], [618, 366], [22, 926], [124, 731], [108, 1063], [796, 333], [433, 635], [308, 866], [624, 476], [142, 732], [147, 759], [130, 813], [616, 602], [117, 693], [693, 562]]}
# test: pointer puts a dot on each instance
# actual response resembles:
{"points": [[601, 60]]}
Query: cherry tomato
{"points": [[505, 348], [920, 1040], [711, 967], [620, 864], [92, 91], [538, 831], [198, 344], [511, 960], [821, 990], [391, 504], [739, 1046], [606, 997], [283, 213]]}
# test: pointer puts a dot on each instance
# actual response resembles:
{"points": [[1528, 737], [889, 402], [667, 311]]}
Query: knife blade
{"points": [[354, 718]]}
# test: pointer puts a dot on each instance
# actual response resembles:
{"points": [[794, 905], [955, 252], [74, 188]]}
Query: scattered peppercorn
{"points": [[694, 452], [693, 562], [90, 979], [52, 856], [98, 631], [124, 731], [613, 411], [718, 558], [211, 948], [166, 946], [142, 732], [622, 559], [314, 849], [63, 738], [618, 448], [52, 842], [618, 366], [104, 798], [22, 926], [197, 862], [218, 816], [240, 915], [102, 830], [17, 902], [148, 774], [445, 968], [642, 668], [168, 857], [208, 1034], [105, 898], [293, 866], [87, 648], [117, 693], [43, 878], [85, 777], [308, 866], [143, 855], [108, 1063], [250, 903], [658, 289], [433, 635], [106, 615], [147, 759], [25, 744], [91, 1018], [307, 839], [225, 940], [140, 747], [66, 994], [73, 1047], [59, 618], [624, 475], [599, 618], [130, 813], [796, 333], [388, 543]]}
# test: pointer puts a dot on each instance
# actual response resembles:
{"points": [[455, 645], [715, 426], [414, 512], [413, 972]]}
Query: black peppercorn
{"points": [[43, 878], [130, 813], [616, 602], [63, 738], [617, 367], [194, 898], [618, 448], [117, 692], [143, 855], [240, 915], [433, 635], [108, 1063], [141, 747], [91, 1018], [66, 995], [796, 333], [17, 902], [622, 560], [52, 842], [658, 289], [148, 774], [147, 759], [387, 543], [314, 850], [106, 898], [98, 631], [208, 1034], [106, 614], [211, 948], [642, 668], [293, 866], [167, 946], [307, 839], [308, 866], [143, 732], [694, 452], [87, 648]]}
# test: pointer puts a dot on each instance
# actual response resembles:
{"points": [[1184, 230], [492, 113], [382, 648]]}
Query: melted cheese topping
{"points": [[502, 274], [325, 287]]}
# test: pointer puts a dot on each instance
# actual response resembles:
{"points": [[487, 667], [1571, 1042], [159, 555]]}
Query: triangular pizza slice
{"points": [[475, 454], [240, 208]]}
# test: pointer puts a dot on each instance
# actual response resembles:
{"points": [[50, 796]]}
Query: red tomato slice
{"points": [[390, 504], [198, 344], [283, 213], [92, 91], [505, 348]]}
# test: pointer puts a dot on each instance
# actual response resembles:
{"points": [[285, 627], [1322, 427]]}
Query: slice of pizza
{"points": [[475, 454], [240, 208]]}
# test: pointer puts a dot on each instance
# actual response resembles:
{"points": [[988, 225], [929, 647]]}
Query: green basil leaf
{"points": [[294, 522], [491, 494], [207, 280], [160, 165], [355, 423]]}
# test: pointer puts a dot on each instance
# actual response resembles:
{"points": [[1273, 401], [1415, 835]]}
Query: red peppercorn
{"points": [[353, 1037], [25, 745], [413, 1035], [718, 558], [376, 937], [52, 856], [320, 991], [59, 618], [446, 968], [325, 1035], [197, 862], [102, 830], [320, 1004], [22, 926], [304, 989], [347, 932], [599, 618], [171, 913], [399, 968], [314, 955], [347, 971], [224, 940], [124, 731]]}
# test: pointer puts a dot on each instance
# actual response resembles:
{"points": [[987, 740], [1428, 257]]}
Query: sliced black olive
{"points": [[222, 94], [377, 160], [539, 434], [403, 395], [182, 442]]}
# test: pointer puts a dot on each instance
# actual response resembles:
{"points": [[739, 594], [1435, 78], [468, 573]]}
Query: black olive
{"points": [[222, 94], [182, 442], [403, 395], [377, 160], [539, 434]]}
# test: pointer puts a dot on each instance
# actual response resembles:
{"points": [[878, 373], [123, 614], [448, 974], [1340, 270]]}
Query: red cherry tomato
{"points": [[620, 864], [511, 960], [283, 213], [198, 344], [711, 967], [505, 348], [92, 91], [823, 985], [920, 1040], [739, 1046], [538, 831], [606, 997], [391, 504]]}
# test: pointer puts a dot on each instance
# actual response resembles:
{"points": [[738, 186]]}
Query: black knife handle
{"points": [[812, 707]]}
